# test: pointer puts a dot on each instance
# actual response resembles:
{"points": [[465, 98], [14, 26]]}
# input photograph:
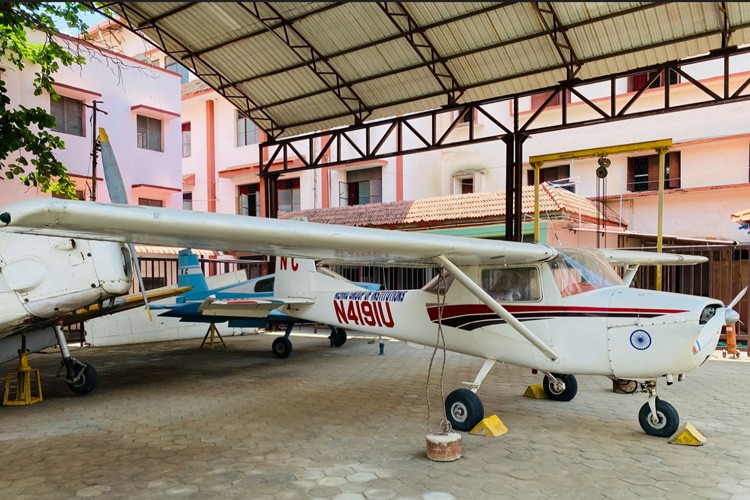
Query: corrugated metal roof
{"points": [[297, 67]]}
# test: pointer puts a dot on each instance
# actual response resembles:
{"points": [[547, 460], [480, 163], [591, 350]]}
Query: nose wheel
{"points": [[663, 423], [658, 418], [560, 387]]}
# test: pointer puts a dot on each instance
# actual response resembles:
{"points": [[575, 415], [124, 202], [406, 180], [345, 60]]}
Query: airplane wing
{"points": [[246, 308], [326, 242], [636, 257], [122, 303]]}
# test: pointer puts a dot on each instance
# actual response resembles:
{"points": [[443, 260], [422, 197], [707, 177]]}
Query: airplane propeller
{"points": [[737, 298], [116, 188]]}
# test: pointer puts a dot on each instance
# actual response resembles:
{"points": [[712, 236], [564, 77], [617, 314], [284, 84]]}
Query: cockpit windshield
{"points": [[579, 270]]}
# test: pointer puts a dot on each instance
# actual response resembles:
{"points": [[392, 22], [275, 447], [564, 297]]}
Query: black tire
{"points": [[464, 409], [86, 382], [338, 337], [282, 347], [669, 419], [567, 393]]}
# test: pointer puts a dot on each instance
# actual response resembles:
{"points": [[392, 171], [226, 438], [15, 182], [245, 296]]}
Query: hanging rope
{"points": [[445, 425]]}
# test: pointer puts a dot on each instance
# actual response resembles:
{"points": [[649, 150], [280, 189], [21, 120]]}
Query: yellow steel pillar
{"points": [[660, 214], [536, 167]]}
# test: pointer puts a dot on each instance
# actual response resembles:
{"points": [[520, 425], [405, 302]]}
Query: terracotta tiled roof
{"points": [[444, 210], [194, 87]]}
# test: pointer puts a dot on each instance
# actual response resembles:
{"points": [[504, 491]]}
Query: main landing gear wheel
{"points": [[85, 381], [338, 337], [667, 419], [464, 409], [282, 347], [564, 388]]}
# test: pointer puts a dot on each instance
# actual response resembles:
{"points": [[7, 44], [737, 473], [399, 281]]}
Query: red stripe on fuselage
{"points": [[458, 310]]}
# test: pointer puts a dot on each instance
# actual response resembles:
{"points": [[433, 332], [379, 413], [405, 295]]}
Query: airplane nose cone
{"points": [[731, 316]]}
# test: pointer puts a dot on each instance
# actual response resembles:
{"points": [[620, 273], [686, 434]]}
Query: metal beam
{"points": [[724, 24], [495, 116], [443, 60], [289, 21], [485, 82], [559, 36], [384, 40], [422, 45], [318, 64]]}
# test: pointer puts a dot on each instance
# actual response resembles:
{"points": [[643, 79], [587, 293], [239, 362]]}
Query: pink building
{"points": [[142, 120]]}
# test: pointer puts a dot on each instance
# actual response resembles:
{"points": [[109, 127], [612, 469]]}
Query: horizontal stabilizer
{"points": [[246, 308], [636, 257]]}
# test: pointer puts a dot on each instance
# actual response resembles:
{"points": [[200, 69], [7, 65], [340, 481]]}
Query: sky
{"points": [[90, 18]]}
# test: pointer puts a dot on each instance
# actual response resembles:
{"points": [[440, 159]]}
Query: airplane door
{"points": [[628, 343]]}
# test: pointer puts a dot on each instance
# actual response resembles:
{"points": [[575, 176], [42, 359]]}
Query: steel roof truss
{"points": [[382, 41], [724, 24], [439, 141], [417, 38], [541, 108], [414, 131], [287, 21], [559, 37], [695, 82], [327, 74]]}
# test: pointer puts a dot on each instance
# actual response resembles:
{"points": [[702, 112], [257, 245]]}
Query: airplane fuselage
{"points": [[43, 278], [613, 331]]}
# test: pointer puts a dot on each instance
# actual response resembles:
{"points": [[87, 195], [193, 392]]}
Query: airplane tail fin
{"points": [[189, 273], [299, 278]]}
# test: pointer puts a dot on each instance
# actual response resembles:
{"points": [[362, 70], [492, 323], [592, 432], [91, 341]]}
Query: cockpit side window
{"points": [[579, 270], [512, 285], [436, 285]]}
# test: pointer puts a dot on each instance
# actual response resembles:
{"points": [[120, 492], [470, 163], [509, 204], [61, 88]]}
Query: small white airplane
{"points": [[47, 283], [563, 312]]}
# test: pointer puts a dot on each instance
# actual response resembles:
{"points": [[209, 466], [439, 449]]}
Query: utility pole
{"points": [[95, 147]]}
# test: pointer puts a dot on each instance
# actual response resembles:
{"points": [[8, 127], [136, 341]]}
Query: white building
{"points": [[142, 120]]}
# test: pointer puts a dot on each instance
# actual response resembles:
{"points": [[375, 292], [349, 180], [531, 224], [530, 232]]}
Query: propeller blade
{"points": [[737, 298], [117, 193]]}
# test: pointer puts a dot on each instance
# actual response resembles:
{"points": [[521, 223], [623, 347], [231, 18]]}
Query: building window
{"points": [[362, 187], [186, 140], [247, 132], [173, 65], [643, 172], [288, 191], [249, 199], [149, 133], [637, 82], [467, 185], [148, 202], [68, 115], [558, 175], [187, 201], [538, 99], [471, 115]]}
